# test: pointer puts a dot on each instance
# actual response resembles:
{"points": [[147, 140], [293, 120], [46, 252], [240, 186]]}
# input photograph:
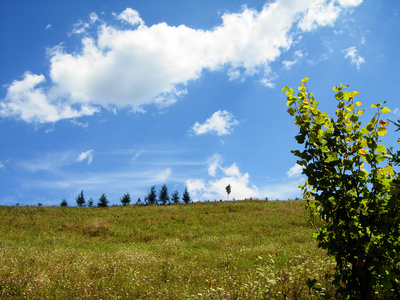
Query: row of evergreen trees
{"points": [[151, 198]]}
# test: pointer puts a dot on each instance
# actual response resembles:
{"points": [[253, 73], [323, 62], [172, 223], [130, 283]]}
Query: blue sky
{"points": [[117, 96]]}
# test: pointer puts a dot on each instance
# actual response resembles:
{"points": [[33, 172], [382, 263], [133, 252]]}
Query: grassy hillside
{"points": [[220, 250]]}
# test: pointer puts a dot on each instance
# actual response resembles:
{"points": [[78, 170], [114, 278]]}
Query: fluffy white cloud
{"points": [[152, 65], [295, 171], [27, 101], [131, 16], [220, 122], [319, 13], [355, 58], [349, 3], [86, 155], [200, 189]]}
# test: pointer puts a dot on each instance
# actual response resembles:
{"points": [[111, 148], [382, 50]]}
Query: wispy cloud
{"points": [[288, 64], [221, 123], [355, 58], [86, 155], [137, 155], [119, 67], [50, 162]]}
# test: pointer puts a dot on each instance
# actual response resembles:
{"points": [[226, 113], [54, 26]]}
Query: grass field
{"points": [[212, 250]]}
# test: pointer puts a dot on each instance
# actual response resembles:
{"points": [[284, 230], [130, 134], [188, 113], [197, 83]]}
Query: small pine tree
{"points": [[103, 202], [139, 202], [90, 203], [175, 197], [80, 200], [151, 196], [126, 199], [186, 197], [163, 198], [64, 203]]}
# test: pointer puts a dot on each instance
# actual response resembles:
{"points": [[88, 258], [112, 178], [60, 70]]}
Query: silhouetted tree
{"points": [[163, 198], [151, 196], [126, 199], [80, 200], [186, 197], [90, 203], [228, 190], [139, 202], [175, 197], [103, 202], [64, 203]]}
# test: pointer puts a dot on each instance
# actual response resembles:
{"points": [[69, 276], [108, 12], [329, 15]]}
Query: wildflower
{"points": [[362, 152]]}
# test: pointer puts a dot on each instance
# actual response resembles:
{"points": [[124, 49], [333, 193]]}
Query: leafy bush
{"points": [[353, 187]]}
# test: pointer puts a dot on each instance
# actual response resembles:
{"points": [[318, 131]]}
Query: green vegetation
{"points": [[103, 202], [80, 200], [186, 197], [355, 189], [126, 199], [211, 250]]}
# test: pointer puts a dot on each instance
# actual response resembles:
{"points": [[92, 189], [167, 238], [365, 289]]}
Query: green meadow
{"points": [[211, 250]]}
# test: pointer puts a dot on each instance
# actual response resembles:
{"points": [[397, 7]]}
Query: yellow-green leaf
{"points": [[305, 80], [381, 131], [291, 111], [381, 149], [385, 110], [302, 87], [336, 88], [358, 103], [360, 112]]}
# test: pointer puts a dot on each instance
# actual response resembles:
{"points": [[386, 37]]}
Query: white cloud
{"points": [[349, 3], [2, 166], [283, 190], [81, 27], [220, 122], [119, 67], [48, 26], [131, 16], [289, 64], [319, 13], [163, 176], [49, 162], [29, 102], [136, 155], [201, 189], [214, 163], [396, 111], [295, 171], [355, 58], [86, 155]]}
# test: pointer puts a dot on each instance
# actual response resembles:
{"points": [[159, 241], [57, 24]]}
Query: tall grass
{"points": [[214, 250]]}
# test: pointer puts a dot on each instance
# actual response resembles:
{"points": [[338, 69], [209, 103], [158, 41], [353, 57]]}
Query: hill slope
{"points": [[236, 250]]}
